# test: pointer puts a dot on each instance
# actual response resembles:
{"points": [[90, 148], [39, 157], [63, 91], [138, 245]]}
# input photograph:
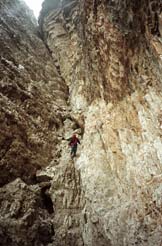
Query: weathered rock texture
{"points": [[32, 108], [109, 53], [98, 73], [32, 95], [24, 219]]}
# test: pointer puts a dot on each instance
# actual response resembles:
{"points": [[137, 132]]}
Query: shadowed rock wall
{"points": [[32, 109], [32, 95]]}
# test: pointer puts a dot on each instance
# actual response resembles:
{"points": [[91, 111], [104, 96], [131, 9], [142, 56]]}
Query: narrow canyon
{"points": [[93, 68]]}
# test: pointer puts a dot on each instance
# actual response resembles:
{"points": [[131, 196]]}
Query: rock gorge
{"points": [[92, 67]]}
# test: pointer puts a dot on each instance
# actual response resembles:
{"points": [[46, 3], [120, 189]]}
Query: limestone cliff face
{"points": [[109, 54], [97, 72]]}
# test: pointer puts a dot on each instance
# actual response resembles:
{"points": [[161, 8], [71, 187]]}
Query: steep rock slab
{"points": [[32, 96], [65, 193], [109, 53]]}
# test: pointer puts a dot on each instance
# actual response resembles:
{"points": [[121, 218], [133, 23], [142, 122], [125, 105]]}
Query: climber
{"points": [[73, 144]]}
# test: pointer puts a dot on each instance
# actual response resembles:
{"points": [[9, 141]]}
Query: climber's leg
{"points": [[73, 151]]}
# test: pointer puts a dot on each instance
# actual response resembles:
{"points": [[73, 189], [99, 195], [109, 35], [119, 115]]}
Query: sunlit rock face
{"points": [[109, 53]]}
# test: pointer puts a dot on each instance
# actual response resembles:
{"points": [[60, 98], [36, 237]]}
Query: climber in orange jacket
{"points": [[73, 144]]}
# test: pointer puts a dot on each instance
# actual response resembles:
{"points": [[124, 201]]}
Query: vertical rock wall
{"points": [[32, 96], [109, 54], [33, 106]]}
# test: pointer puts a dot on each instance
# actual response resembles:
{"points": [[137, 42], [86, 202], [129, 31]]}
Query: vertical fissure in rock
{"points": [[47, 202]]}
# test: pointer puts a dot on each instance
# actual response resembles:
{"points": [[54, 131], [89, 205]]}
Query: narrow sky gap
{"points": [[35, 5]]}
